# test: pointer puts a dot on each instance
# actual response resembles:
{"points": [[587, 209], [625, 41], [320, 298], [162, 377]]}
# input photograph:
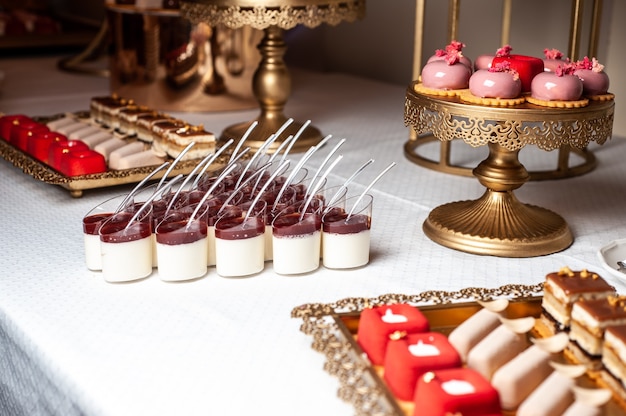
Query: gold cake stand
{"points": [[271, 82], [498, 223]]}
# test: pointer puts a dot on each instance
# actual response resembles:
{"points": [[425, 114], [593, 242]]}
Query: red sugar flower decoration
{"points": [[504, 51], [552, 53], [504, 66], [591, 64], [452, 52], [567, 68]]}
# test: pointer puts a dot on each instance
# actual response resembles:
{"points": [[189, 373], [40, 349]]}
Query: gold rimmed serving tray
{"points": [[76, 185], [333, 327]]}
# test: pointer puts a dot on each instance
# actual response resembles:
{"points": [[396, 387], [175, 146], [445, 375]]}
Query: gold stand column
{"points": [[271, 83]]}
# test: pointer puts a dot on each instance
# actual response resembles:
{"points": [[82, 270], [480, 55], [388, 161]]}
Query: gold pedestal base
{"points": [[266, 127], [498, 224]]}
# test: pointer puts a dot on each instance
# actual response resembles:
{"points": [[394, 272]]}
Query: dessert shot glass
{"points": [[181, 243], [240, 242], [346, 233], [91, 227], [296, 239], [126, 245]]}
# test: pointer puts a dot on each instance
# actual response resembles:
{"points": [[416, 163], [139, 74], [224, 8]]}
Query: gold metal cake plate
{"points": [[497, 223], [333, 327]]}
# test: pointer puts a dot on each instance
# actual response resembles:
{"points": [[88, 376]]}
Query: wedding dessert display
{"points": [[235, 218], [432, 355]]}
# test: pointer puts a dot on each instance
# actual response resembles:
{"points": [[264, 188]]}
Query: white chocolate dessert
{"points": [[500, 346], [516, 379], [469, 333], [555, 394], [116, 157]]}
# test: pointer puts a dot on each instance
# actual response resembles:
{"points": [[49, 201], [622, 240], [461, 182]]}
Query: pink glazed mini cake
{"points": [[445, 73], [557, 89], [498, 85], [591, 73]]}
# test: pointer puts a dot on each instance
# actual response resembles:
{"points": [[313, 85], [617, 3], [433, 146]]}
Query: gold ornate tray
{"points": [[77, 184], [333, 327]]}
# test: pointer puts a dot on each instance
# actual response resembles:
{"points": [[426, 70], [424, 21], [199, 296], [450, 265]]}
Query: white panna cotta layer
{"points": [[345, 251], [296, 254]]}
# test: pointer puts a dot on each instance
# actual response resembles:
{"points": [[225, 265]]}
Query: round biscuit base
{"points": [[557, 103], [490, 102], [602, 97], [420, 88]]}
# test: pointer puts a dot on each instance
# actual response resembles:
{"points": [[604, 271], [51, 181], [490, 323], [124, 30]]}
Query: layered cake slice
{"points": [[177, 140], [378, 323], [614, 361], [590, 319], [561, 289]]}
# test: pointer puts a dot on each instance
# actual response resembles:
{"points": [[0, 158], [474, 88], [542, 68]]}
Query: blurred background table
{"points": [[71, 343]]}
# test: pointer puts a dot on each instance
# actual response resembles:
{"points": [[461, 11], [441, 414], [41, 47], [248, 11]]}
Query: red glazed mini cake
{"points": [[82, 162], [561, 89], [22, 133], [8, 122], [497, 86], [377, 324], [58, 151], [563, 288], [446, 75], [39, 145], [413, 355], [527, 67], [484, 61], [457, 391], [595, 80]]}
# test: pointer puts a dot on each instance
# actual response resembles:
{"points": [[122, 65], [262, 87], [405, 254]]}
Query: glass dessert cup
{"points": [[240, 242], [346, 234], [296, 240], [126, 246], [181, 243], [91, 228]]}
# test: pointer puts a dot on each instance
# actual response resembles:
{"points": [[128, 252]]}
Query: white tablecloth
{"points": [[71, 343]]}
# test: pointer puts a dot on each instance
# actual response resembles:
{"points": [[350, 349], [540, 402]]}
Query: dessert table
{"points": [[71, 343]]}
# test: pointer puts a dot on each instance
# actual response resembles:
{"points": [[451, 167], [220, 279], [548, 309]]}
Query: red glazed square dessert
{"points": [[526, 66], [23, 133], [82, 162], [8, 122], [457, 391], [39, 145], [411, 356], [377, 324], [59, 150]]}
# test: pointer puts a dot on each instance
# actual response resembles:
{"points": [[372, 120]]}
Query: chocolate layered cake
{"points": [[561, 289]]}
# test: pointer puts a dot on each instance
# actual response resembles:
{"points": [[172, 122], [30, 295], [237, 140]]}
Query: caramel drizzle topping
{"points": [[397, 335], [584, 273]]}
